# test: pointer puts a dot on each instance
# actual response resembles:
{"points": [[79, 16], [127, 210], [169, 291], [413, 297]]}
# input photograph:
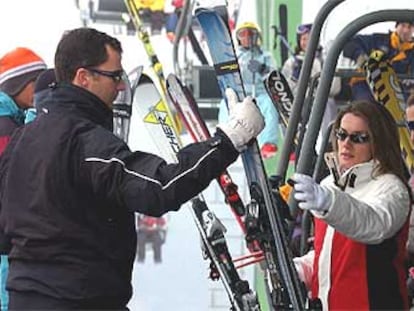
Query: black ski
{"points": [[279, 91], [283, 25], [281, 95], [263, 210]]}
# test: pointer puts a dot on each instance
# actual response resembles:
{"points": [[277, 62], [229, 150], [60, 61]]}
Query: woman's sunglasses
{"points": [[410, 125], [356, 138]]}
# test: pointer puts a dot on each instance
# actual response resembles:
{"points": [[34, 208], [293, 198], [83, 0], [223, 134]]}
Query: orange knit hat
{"points": [[17, 68]]}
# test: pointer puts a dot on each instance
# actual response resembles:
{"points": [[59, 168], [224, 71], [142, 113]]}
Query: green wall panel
{"points": [[268, 15]]}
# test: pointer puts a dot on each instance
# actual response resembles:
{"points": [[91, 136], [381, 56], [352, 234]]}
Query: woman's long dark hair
{"points": [[385, 140]]}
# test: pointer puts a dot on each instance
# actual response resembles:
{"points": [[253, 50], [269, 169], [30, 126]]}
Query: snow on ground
{"points": [[180, 281]]}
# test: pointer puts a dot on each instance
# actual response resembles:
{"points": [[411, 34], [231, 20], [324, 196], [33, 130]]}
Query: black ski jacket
{"points": [[69, 190]]}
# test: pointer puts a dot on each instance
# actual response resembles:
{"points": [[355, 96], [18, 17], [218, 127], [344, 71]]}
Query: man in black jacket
{"points": [[72, 227]]}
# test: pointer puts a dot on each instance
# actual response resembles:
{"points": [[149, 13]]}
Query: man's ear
{"points": [[82, 78]]}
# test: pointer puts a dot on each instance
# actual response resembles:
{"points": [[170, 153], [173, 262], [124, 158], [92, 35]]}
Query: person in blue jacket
{"points": [[18, 70], [398, 49], [255, 63]]}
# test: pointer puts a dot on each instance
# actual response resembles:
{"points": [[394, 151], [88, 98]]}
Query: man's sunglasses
{"points": [[116, 75], [410, 125], [356, 138]]}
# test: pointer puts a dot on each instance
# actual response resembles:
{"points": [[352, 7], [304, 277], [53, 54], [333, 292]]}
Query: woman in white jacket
{"points": [[361, 214]]}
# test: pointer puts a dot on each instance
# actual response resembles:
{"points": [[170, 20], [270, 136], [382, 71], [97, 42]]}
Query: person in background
{"points": [[152, 11], [397, 47], [409, 114], [172, 19], [361, 214], [255, 63], [292, 67], [73, 227], [152, 230], [19, 68], [44, 81]]}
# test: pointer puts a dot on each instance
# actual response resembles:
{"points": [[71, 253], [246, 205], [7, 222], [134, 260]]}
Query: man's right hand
{"points": [[245, 120]]}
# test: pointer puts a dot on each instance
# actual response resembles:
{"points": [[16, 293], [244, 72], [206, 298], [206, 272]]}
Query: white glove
{"points": [[310, 194], [245, 120]]}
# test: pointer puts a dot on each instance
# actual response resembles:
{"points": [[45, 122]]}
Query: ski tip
{"points": [[202, 10]]}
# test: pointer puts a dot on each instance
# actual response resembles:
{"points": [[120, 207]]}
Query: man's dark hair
{"points": [[408, 22], [82, 47], [410, 100]]}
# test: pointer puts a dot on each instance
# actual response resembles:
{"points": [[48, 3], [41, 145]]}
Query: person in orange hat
{"points": [[18, 70]]}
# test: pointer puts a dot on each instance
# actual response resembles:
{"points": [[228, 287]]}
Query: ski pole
{"points": [[254, 261], [253, 72], [254, 254], [282, 39]]}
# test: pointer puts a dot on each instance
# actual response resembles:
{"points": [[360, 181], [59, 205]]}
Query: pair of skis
{"points": [[151, 107], [264, 210]]}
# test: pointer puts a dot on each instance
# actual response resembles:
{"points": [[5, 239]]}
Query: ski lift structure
{"points": [[200, 78], [111, 12]]}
